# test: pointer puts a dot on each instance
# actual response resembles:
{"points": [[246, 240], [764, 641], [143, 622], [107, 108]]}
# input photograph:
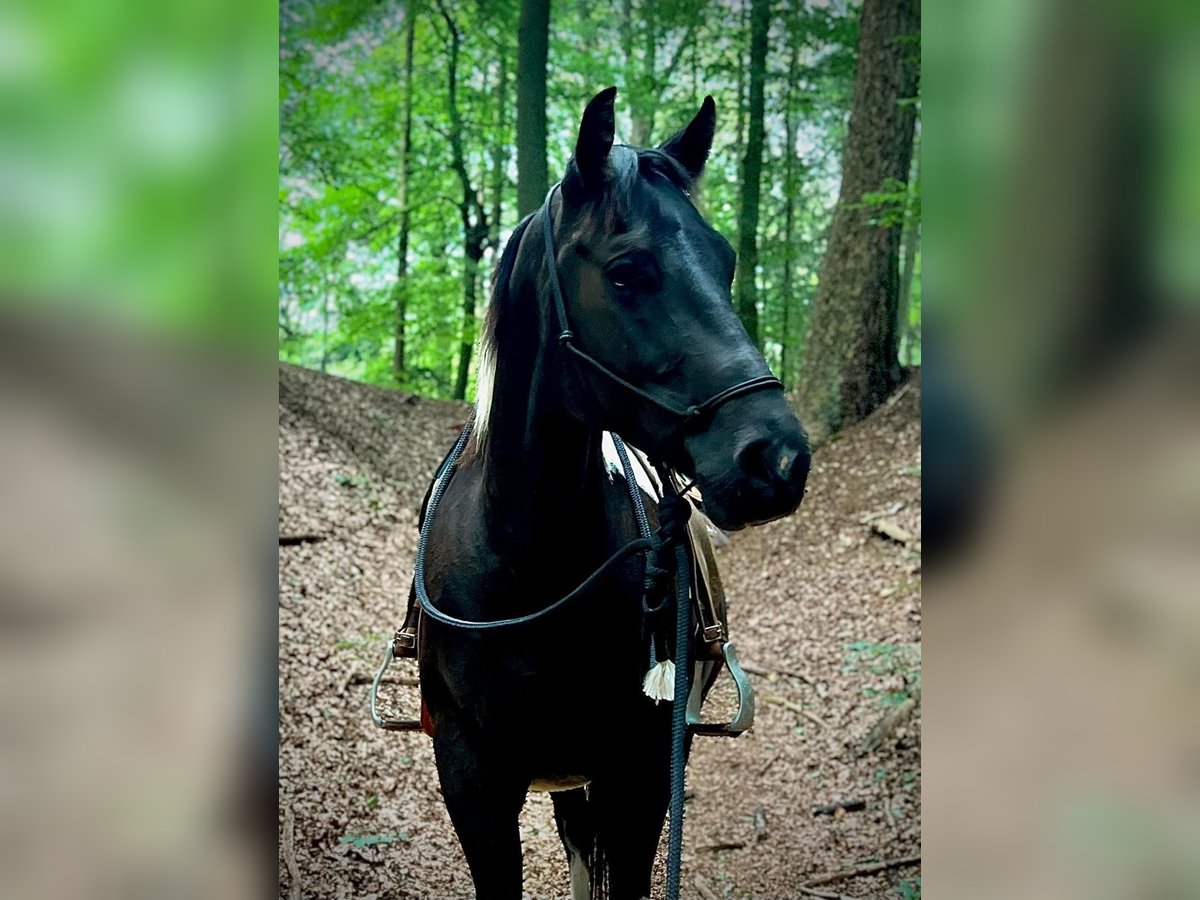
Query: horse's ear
{"points": [[596, 133], [690, 146]]}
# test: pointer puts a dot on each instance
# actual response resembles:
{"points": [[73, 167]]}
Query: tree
{"points": [[500, 149], [912, 238], [470, 209], [787, 286], [533, 43], [851, 364], [404, 172], [645, 80], [746, 299]]}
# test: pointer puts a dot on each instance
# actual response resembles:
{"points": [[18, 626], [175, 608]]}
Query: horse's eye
{"points": [[622, 276]]}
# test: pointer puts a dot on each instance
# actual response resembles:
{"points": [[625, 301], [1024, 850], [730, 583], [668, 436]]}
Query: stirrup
{"points": [[743, 719], [386, 723]]}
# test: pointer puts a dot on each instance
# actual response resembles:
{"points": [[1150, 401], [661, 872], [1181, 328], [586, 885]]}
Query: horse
{"points": [[610, 311]]}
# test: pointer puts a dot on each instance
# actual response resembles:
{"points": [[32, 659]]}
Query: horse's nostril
{"points": [[786, 461], [756, 460], [777, 462]]}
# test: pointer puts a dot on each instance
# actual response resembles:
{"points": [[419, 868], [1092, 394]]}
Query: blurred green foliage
{"points": [[137, 142]]}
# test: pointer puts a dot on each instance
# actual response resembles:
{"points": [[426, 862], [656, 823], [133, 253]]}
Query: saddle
{"points": [[710, 643]]}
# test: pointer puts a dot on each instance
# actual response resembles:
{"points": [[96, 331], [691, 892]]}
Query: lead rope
{"points": [[673, 514], [683, 670], [674, 511]]}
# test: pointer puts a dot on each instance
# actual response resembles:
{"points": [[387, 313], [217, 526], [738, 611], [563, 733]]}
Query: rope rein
{"points": [[645, 542]]}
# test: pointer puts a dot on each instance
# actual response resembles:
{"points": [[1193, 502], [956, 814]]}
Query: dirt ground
{"points": [[824, 607]]}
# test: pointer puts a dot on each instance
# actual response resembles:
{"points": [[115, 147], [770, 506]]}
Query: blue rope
{"points": [[683, 668]]}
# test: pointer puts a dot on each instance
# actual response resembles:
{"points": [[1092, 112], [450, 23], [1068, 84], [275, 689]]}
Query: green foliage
{"points": [[341, 95], [370, 840], [909, 890], [887, 207], [886, 660]]}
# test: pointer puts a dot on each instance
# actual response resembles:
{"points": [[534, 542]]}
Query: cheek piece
{"points": [[690, 419]]}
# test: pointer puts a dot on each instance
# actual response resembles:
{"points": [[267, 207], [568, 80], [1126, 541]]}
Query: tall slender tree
{"points": [[851, 364], [912, 237], [739, 55], [500, 147], [746, 295], [645, 79], [787, 287], [470, 207], [533, 42], [403, 173]]}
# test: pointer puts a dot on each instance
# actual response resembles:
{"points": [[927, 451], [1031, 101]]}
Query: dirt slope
{"points": [[822, 600]]}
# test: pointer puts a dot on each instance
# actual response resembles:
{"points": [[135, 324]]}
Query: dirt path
{"points": [[823, 601]]}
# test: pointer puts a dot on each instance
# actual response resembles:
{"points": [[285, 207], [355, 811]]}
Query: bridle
{"points": [[694, 416]]}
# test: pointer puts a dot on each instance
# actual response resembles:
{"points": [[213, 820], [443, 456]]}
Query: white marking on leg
{"points": [[581, 878]]}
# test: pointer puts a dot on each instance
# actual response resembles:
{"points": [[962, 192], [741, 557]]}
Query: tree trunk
{"points": [[789, 222], [499, 150], [645, 84], [747, 289], [474, 218], [325, 322], [851, 364], [912, 237], [533, 39], [739, 141], [404, 169], [643, 99], [467, 336]]}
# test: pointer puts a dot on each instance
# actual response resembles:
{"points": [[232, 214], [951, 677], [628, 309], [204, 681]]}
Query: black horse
{"points": [[533, 508]]}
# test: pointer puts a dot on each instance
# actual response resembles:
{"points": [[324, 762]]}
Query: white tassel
{"points": [[660, 682]]}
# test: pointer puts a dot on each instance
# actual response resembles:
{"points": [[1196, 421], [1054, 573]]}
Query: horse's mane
{"points": [[485, 381]]}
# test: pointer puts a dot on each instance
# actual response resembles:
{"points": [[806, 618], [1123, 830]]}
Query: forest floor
{"points": [[824, 607]]}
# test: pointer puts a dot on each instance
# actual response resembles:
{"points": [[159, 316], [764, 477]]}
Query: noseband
{"points": [[693, 416]]}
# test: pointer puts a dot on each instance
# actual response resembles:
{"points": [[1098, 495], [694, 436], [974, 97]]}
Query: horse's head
{"points": [[646, 286]]}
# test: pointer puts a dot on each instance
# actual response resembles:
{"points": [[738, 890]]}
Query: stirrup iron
{"points": [[386, 723], [743, 719]]}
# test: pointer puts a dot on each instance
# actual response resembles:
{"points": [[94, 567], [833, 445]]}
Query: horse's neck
{"points": [[543, 468], [543, 482]]}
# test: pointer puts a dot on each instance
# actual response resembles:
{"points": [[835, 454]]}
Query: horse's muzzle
{"points": [[751, 468]]}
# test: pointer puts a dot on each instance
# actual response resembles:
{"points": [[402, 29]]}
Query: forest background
{"points": [[414, 136]]}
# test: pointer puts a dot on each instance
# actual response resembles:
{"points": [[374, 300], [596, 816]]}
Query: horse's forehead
{"points": [[639, 200], [624, 161]]}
